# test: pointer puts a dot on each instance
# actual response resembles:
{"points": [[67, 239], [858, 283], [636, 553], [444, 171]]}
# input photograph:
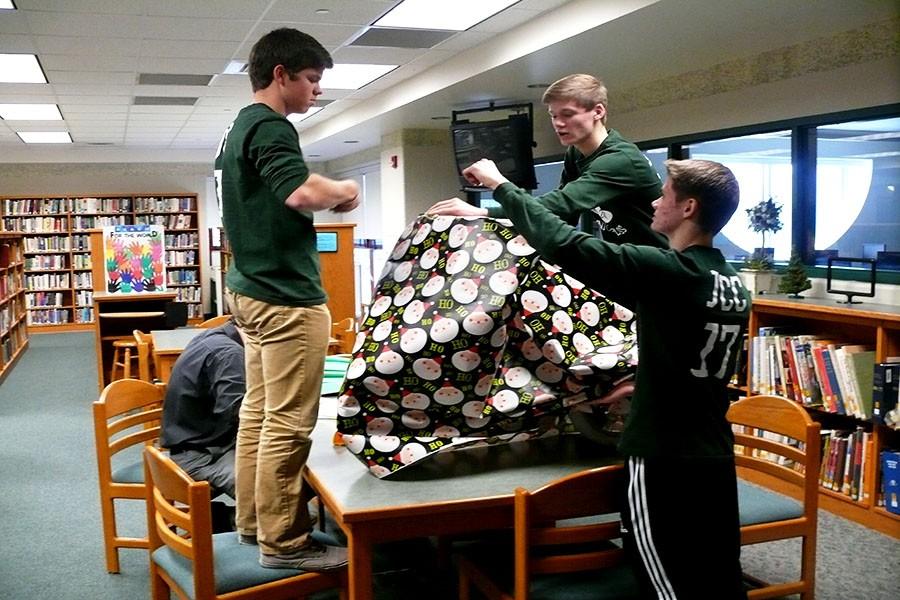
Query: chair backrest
{"points": [[179, 516], [344, 334], [215, 321], [146, 368], [543, 545], [774, 455], [128, 413]]}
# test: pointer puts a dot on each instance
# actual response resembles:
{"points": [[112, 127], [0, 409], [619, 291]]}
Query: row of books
{"points": [[172, 221], [84, 298], [10, 345], [153, 204], [39, 299], [181, 276], [83, 280], [47, 281], [31, 206], [81, 261], [814, 371], [187, 294], [101, 205], [36, 224], [195, 311], [84, 314], [52, 243], [844, 458], [92, 222], [50, 316], [179, 258], [9, 314], [182, 240], [46, 261], [9, 284]]}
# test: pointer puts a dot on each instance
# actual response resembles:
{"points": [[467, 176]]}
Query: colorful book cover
{"points": [[134, 258], [834, 387], [884, 389]]}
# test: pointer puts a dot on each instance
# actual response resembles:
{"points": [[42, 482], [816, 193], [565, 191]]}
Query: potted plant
{"points": [[794, 279], [764, 217]]}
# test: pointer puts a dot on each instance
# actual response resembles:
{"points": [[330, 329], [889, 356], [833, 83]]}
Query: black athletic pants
{"points": [[683, 538]]}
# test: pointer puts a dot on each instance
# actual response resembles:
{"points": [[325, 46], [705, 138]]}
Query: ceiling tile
{"points": [[214, 29], [348, 12], [95, 25]]}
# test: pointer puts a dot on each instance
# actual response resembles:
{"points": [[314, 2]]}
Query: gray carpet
{"points": [[50, 518]]}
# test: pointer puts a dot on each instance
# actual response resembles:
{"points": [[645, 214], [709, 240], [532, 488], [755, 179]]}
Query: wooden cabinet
{"points": [[13, 332], [871, 324], [58, 279], [118, 315], [336, 259]]}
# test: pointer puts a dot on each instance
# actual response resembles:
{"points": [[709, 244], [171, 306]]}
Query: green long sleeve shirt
{"points": [[616, 184], [692, 311]]}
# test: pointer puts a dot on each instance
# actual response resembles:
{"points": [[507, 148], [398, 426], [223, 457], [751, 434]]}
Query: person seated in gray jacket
{"points": [[200, 411]]}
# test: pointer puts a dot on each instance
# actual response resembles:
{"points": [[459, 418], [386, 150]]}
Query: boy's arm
{"points": [[321, 193], [613, 269]]}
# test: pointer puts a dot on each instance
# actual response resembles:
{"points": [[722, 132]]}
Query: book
{"points": [[885, 378], [832, 381], [862, 366]]}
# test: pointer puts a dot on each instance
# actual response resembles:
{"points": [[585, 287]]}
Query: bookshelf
{"points": [[871, 324], [13, 332], [58, 270]]}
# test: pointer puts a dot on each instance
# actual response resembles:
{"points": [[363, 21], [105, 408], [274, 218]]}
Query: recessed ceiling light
{"points": [[452, 16], [537, 86], [322, 11], [236, 67], [21, 68], [351, 141], [30, 112], [45, 137], [297, 117], [7, 5], [440, 118], [347, 76]]}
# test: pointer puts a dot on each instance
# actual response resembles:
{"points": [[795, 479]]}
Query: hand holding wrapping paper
{"points": [[472, 339]]}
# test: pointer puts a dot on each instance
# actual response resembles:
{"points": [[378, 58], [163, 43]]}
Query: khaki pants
{"points": [[285, 351]]}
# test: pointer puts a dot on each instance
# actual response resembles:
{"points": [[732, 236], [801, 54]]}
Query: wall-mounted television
{"points": [[507, 142]]}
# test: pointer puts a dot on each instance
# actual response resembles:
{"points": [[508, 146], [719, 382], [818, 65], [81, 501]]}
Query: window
{"points": [[762, 165], [857, 203]]}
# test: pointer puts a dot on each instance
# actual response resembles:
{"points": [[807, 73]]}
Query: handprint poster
{"points": [[134, 258]]}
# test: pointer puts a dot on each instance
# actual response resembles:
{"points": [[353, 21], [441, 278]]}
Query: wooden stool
{"points": [[124, 351]]}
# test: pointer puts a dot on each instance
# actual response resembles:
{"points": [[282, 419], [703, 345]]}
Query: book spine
{"points": [[832, 382]]}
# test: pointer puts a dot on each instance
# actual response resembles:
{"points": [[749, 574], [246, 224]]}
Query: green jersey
{"points": [[615, 184], [259, 164], [692, 311]]}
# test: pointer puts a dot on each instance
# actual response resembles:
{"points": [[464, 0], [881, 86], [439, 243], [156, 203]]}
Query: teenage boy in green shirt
{"points": [[682, 513], [275, 292], [604, 175]]}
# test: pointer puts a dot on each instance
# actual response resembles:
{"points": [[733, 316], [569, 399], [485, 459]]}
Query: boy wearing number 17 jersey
{"points": [[682, 514]]}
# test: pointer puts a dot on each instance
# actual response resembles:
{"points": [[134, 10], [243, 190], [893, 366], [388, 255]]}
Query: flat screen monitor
{"points": [[507, 142]]}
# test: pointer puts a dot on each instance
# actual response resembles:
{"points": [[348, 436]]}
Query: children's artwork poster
{"points": [[134, 257], [471, 339]]}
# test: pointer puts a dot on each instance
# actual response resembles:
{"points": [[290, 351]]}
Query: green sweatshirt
{"points": [[259, 164], [692, 311], [616, 184]]}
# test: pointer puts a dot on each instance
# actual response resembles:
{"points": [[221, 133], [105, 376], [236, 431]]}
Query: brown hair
{"points": [[711, 184]]}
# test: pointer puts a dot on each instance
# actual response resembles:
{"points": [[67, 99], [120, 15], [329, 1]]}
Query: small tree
{"points": [[794, 279], [764, 217]]}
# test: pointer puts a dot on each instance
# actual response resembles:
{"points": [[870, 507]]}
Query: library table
{"points": [[456, 492], [168, 344]]}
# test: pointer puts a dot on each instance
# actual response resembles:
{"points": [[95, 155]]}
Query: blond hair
{"points": [[585, 90]]}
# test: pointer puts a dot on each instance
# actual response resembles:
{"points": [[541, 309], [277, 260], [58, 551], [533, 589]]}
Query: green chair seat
{"points": [[131, 473], [759, 505]]}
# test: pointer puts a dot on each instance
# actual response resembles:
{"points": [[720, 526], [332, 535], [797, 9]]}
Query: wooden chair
{"points": [[552, 558], [146, 368], [127, 414], [215, 321], [766, 515], [187, 558], [342, 336]]}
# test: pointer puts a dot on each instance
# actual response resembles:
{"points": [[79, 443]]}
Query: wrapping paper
{"points": [[472, 339]]}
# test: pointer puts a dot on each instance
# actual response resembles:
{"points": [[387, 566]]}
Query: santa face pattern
{"points": [[453, 350]]}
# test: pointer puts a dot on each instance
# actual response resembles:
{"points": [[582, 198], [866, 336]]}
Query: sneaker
{"points": [[313, 557], [248, 539]]}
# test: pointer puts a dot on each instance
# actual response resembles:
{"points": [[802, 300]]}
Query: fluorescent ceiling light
{"points": [[451, 16], [297, 117], [45, 137], [20, 68], [7, 5], [30, 112], [236, 67], [352, 77]]}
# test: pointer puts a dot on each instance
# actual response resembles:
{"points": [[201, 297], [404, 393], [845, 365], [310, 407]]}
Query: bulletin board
{"points": [[135, 259]]}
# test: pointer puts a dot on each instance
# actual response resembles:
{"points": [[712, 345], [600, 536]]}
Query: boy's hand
{"points": [[455, 207], [484, 172]]}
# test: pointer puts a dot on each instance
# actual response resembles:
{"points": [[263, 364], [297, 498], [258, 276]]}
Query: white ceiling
{"points": [[93, 51]]}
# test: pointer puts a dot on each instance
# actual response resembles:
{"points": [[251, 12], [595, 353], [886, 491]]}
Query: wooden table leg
{"points": [[359, 550]]}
